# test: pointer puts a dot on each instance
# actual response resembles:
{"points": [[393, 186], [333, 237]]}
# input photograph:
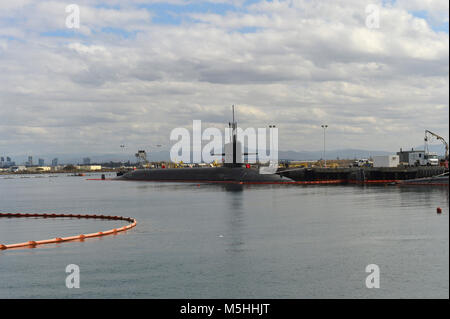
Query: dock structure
{"points": [[362, 174]]}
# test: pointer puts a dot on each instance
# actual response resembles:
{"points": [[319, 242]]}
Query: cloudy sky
{"points": [[136, 69]]}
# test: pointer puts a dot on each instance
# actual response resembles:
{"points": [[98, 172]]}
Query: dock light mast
{"points": [[271, 127], [234, 135], [324, 126]]}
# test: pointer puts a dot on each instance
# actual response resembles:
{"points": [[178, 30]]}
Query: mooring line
{"points": [[32, 243]]}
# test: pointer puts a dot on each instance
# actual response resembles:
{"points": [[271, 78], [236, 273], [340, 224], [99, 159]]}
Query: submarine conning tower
{"points": [[233, 126], [233, 150]]}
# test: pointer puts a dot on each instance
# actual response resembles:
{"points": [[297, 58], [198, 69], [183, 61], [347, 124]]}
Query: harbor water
{"points": [[225, 241]]}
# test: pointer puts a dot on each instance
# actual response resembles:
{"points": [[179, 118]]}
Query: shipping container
{"points": [[386, 161]]}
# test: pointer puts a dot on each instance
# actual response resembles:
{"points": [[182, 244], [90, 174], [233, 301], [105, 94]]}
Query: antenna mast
{"points": [[233, 112]]}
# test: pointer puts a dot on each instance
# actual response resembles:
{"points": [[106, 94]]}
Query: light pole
{"points": [[324, 126], [271, 140]]}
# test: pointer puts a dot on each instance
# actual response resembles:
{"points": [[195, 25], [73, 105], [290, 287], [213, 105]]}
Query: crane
{"points": [[427, 133], [141, 157]]}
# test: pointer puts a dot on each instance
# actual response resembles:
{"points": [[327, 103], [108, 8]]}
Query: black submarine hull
{"points": [[206, 175]]}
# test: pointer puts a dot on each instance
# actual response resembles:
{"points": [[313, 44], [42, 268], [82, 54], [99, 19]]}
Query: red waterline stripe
{"points": [[374, 181], [432, 184], [337, 181], [331, 181]]}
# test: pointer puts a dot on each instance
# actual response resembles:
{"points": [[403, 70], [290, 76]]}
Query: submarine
{"points": [[232, 172]]}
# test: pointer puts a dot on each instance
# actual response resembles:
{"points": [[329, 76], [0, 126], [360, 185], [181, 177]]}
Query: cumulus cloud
{"points": [[127, 77]]}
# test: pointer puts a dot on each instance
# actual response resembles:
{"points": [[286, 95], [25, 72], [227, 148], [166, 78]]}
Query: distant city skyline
{"points": [[64, 159]]}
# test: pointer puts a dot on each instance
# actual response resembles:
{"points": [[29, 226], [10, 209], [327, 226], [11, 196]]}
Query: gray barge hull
{"points": [[361, 174]]}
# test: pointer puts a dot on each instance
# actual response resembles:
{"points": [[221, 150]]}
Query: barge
{"points": [[362, 175]]}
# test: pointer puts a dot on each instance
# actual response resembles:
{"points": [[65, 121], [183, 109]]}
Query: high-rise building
{"points": [[55, 162], [86, 161], [30, 160], [8, 162], [41, 162]]}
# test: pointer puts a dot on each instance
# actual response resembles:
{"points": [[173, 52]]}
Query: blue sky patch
{"points": [[64, 33], [165, 13]]}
